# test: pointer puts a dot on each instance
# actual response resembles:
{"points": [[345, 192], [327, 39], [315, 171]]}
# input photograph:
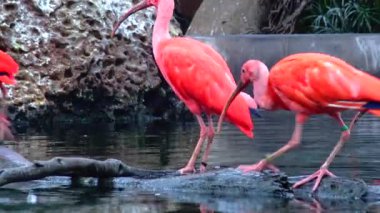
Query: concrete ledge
{"points": [[361, 50]]}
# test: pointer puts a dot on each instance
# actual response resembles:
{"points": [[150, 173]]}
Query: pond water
{"points": [[161, 145]]}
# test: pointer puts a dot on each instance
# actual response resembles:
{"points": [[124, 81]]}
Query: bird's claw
{"points": [[318, 174], [258, 167], [187, 170]]}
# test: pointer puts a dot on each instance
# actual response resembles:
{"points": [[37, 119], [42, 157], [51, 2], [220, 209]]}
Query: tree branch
{"points": [[284, 14], [77, 167], [296, 13]]}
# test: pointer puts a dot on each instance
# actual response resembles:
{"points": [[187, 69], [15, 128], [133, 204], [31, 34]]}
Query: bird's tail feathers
{"points": [[253, 109], [372, 106], [250, 101], [238, 113]]}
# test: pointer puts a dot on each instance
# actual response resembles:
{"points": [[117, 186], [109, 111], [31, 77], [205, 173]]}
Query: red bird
{"points": [[8, 70], [307, 84], [198, 75]]}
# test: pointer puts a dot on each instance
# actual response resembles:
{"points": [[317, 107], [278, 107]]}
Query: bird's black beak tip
{"points": [[255, 113]]}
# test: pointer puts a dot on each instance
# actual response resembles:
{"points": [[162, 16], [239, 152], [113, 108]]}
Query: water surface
{"points": [[162, 145]]}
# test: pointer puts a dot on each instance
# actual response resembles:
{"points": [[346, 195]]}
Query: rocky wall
{"points": [[70, 67]]}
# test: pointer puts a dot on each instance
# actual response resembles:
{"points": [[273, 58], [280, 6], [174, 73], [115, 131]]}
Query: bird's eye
{"points": [[243, 70]]}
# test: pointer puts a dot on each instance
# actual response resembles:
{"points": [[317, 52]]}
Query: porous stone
{"points": [[69, 64]]}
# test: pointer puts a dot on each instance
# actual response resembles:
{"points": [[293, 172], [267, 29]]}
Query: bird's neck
{"points": [[161, 26], [260, 90]]}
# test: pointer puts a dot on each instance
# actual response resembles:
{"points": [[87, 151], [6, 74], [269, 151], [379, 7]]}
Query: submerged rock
{"points": [[71, 66], [217, 188]]}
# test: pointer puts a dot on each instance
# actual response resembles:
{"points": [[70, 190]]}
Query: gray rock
{"points": [[225, 189], [225, 182], [46, 6], [226, 17], [332, 188]]}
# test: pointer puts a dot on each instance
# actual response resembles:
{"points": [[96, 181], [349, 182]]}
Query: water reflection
{"points": [[168, 146]]}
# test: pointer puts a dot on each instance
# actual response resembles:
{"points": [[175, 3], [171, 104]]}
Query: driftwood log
{"points": [[227, 183], [76, 167]]}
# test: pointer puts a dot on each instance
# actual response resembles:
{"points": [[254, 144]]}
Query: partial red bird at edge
{"points": [[198, 75], [307, 84], [8, 70]]}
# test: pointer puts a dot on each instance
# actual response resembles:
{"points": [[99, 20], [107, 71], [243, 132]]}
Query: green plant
{"points": [[332, 16]]}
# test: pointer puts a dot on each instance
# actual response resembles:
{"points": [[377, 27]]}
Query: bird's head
{"points": [[137, 7], [8, 68], [250, 72]]}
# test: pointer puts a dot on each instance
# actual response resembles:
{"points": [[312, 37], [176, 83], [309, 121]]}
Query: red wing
{"points": [[317, 80], [201, 77], [7, 63], [196, 74], [8, 66]]}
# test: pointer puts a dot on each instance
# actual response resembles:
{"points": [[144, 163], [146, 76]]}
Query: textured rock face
{"points": [[69, 63]]}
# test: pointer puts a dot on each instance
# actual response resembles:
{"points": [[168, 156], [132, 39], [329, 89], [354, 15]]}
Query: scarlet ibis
{"points": [[8, 70], [308, 84], [198, 75]]}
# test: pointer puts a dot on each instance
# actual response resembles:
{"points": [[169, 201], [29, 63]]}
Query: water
{"points": [[169, 145]]}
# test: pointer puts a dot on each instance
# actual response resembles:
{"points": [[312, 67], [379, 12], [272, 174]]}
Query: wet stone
{"points": [[332, 188]]}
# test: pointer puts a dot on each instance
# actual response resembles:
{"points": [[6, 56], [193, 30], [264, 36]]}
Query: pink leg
{"points": [[346, 131], [190, 167], [5, 132], [3, 91], [210, 137], [356, 118], [293, 142]]}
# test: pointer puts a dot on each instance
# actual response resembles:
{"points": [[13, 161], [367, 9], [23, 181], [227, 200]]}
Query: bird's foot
{"points": [[258, 167], [187, 170], [318, 174]]}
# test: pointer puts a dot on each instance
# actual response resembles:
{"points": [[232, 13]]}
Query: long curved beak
{"points": [[140, 6], [238, 89]]}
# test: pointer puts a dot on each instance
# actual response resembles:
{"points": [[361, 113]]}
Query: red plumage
{"points": [[8, 70], [314, 83], [198, 75], [202, 80], [9, 66], [307, 84]]}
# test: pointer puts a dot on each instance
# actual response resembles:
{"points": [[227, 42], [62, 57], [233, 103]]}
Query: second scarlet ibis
{"points": [[198, 75], [8, 70], [307, 84]]}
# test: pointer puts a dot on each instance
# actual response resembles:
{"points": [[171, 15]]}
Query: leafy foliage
{"points": [[343, 16]]}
